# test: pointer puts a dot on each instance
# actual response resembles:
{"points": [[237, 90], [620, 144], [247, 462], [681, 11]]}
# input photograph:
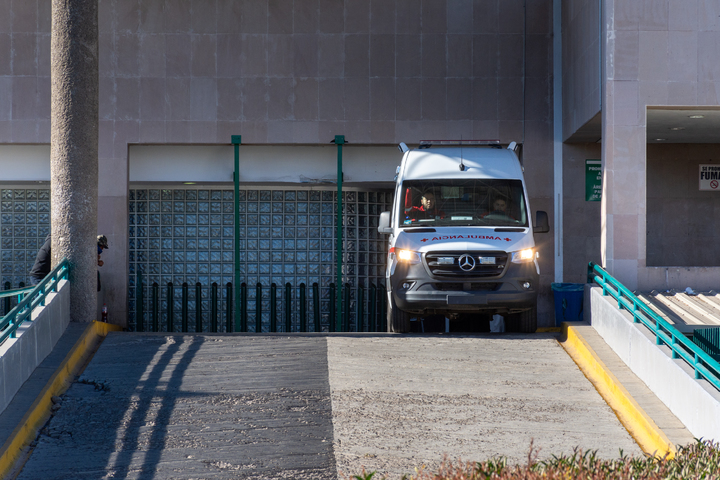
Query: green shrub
{"points": [[700, 460]]}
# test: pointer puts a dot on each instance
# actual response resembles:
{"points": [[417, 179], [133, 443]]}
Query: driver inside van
{"points": [[499, 208], [427, 209]]}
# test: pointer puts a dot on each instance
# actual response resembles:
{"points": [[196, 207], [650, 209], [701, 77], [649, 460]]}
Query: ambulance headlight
{"points": [[407, 256], [523, 256]]}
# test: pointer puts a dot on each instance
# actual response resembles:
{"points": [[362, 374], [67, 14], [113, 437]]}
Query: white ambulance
{"points": [[461, 237]]}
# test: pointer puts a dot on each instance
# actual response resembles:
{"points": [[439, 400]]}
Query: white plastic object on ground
{"points": [[497, 324]]}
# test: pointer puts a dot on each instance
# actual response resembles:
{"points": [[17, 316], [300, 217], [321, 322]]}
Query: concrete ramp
{"points": [[317, 407], [399, 403], [221, 407], [695, 402]]}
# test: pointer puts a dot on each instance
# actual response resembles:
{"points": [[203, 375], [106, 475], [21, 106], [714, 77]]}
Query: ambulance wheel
{"points": [[398, 320], [523, 322]]}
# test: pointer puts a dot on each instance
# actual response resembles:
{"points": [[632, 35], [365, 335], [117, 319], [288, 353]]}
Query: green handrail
{"points": [[665, 333], [36, 297], [339, 141], [16, 291]]}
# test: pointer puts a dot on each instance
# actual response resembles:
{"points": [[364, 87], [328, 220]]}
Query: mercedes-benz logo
{"points": [[466, 263]]}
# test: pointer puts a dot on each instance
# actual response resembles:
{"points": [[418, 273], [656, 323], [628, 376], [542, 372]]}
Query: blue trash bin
{"points": [[568, 302]]}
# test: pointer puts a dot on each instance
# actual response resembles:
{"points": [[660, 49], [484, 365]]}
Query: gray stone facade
{"points": [[653, 228], [292, 72], [286, 72]]}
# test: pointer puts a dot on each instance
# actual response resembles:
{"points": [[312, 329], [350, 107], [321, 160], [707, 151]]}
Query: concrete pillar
{"points": [[74, 148], [623, 151]]}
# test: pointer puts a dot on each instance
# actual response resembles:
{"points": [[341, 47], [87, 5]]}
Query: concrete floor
{"points": [[399, 403]]}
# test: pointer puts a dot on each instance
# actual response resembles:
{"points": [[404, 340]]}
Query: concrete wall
{"points": [[581, 219], [35, 340], [681, 220], [263, 163], [25, 163], [581, 59], [694, 402], [284, 72], [655, 54]]}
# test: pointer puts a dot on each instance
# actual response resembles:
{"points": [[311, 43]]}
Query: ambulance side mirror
{"points": [[541, 222], [384, 223]]}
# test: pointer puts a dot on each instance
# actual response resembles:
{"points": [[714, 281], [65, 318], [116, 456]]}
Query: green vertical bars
{"points": [[6, 300], [288, 307], [229, 307], [139, 314], [198, 308], [170, 307], [243, 309], [155, 307], [236, 140], [184, 306], [316, 305], [346, 308], [339, 141], [708, 339], [303, 309], [382, 307], [258, 307], [213, 307], [366, 304], [372, 309], [360, 311], [591, 273], [332, 324], [273, 307]]}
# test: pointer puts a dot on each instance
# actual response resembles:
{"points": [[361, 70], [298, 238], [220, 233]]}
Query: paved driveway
{"points": [[403, 402], [307, 407]]}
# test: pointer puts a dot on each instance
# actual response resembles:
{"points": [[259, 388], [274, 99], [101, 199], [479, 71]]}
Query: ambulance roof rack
{"points": [[460, 143]]}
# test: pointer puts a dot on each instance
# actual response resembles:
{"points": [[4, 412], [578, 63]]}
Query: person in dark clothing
{"points": [[427, 209], [43, 262], [102, 243]]}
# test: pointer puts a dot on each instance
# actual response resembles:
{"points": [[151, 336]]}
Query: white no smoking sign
{"points": [[709, 177]]}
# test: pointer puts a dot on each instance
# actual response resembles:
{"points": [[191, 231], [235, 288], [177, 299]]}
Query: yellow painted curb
{"points": [[39, 412], [641, 427]]}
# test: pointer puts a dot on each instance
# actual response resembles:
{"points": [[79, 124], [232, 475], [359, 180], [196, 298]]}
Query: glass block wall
{"points": [[286, 236], [24, 224]]}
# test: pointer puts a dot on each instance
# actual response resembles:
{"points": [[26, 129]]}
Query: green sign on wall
{"points": [[593, 180]]}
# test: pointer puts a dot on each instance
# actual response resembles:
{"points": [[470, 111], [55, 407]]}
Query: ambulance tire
{"points": [[398, 320], [523, 322]]}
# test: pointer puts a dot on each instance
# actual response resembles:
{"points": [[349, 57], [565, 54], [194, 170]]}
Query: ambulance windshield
{"points": [[473, 202]]}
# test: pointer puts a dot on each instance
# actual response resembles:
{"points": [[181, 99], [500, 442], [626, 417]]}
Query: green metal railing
{"points": [[708, 339], [287, 312], [28, 299], [9, 293], [665, 333]]}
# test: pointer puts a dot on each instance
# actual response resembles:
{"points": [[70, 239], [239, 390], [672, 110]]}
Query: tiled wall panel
{"points": [[286, 236], [24, 224]]}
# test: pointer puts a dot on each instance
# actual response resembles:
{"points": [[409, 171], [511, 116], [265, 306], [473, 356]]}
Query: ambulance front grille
{"points": [[486, 264]]}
